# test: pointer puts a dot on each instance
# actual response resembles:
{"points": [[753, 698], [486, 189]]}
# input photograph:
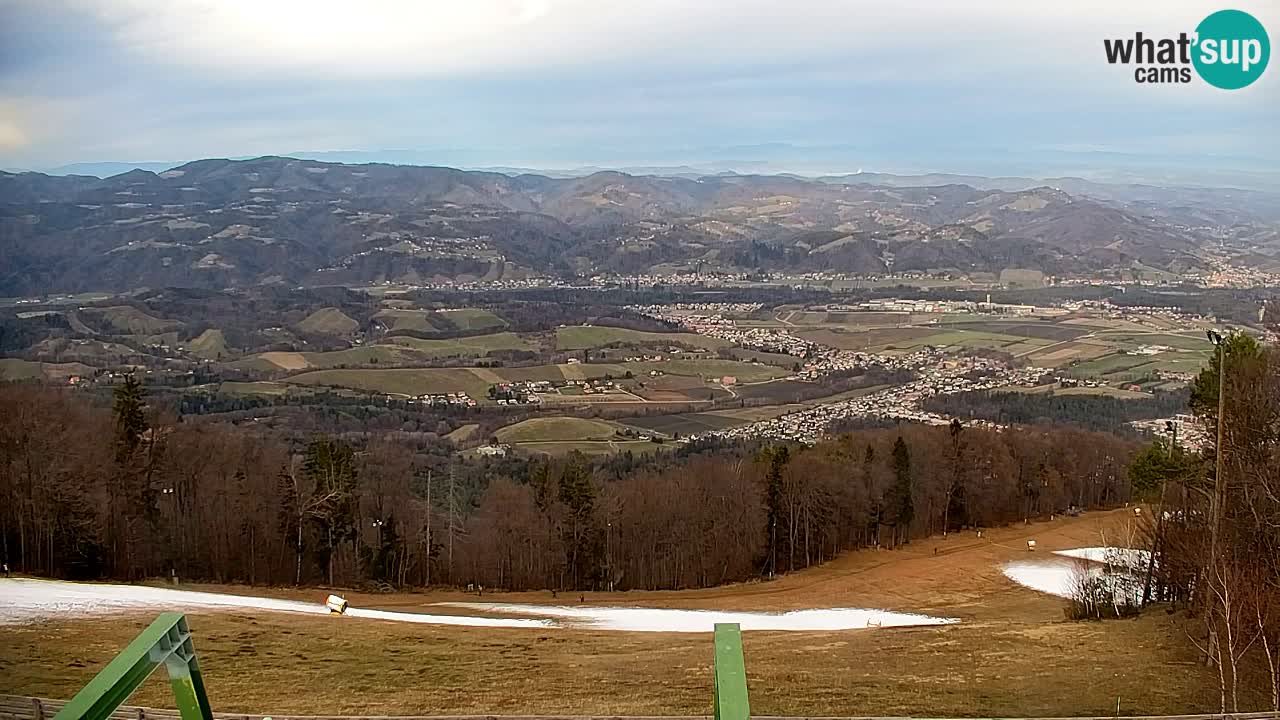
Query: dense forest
{"points": [[1216, 532], [133, 491], [1094, 412]]}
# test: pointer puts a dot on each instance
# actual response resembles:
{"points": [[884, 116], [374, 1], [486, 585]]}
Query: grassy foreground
{"points": [[1013, 655]]}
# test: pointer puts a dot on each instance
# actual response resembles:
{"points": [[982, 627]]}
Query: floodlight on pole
{"points": [[1219, 450]]}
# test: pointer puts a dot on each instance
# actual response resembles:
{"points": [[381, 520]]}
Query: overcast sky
{"points": [[985, 86]]}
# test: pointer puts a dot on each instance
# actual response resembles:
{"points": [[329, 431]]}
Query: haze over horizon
{"points": [[993, 88]]}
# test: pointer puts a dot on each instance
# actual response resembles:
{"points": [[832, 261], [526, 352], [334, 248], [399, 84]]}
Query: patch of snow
{"points": [[27, 600], [24, 601], [1046, 576], [1121, 568], [1123, 557], [636, 619]]}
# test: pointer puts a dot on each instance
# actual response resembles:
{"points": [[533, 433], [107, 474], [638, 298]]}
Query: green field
{"points": [[328, 321], [476, 381], [1108, 364], [397, 351], [127, 320], [253, 388], [592, 447], [684, 423], [1130, 340], [400, 381], [579, 337], [415, 320], [556, 429], [15, 369], [972, 339], [848, 339], [463, 433], [476, 345], [209, 345], [473, 319]]}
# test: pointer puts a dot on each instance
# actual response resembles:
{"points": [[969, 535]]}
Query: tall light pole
{"points": [[1219, 489], [1219, 480]]}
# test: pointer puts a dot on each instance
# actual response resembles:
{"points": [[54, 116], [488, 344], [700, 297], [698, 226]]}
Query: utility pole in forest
{"points": [[1219, 491], [452, 506], [430, 511]]}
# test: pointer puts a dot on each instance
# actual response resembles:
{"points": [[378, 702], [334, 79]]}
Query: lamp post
{"points": [[1219, 481], [1219, 486]]}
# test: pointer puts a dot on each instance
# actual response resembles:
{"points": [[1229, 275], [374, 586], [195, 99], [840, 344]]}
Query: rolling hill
{"points": [[222, 223]]}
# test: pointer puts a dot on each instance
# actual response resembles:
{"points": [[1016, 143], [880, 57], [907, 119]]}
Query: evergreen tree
{"points": [[543, 487], [903, 505], [130, 408], [330, 466], [777, 457], [578, 496]]}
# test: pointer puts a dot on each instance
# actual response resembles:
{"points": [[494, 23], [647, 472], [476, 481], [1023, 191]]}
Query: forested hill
{"points": [[273, 220], [131, 493], [1092, 412]]}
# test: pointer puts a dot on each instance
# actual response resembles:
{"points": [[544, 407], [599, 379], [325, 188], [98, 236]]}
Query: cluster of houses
{"points": [[935, 375], [1184, 429], [709, 319], [453, 399], [529, 392], [519, 393]]}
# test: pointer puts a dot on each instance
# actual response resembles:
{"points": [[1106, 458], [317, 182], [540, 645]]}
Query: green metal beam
{"points": [[731, 674], [167, 641]]}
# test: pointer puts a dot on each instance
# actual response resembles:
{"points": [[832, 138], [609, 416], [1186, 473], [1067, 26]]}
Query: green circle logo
{"points": [[1232, 49]]}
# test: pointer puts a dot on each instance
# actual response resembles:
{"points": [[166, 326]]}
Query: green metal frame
{"points": [[167, 641], [731, 674]]}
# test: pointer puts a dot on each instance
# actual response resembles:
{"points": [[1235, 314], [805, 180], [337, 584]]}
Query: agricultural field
{"points": [[329, 321], [557, 448], [16, 369], [866, 340], [561, 429], [682, 423], [209, 345], [463, 434], [695, 422], [1085, 347], [401, 319], [580, 337], [473, 319], [399, 350], [687, 374], [1037, 330], [400, 381], [562, 435], [127, 320], [477, 345]]}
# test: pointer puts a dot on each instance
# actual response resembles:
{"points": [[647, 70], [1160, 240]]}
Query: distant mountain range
{"points": [[227, 223]]}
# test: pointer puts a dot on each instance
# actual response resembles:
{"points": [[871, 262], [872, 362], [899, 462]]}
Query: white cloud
{"points": [[443, 37], [12, 137]]}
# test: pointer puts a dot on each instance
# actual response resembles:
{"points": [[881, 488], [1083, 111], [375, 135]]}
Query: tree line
{"points": [[135, 491], [1094, 412], [1216, 534]]}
